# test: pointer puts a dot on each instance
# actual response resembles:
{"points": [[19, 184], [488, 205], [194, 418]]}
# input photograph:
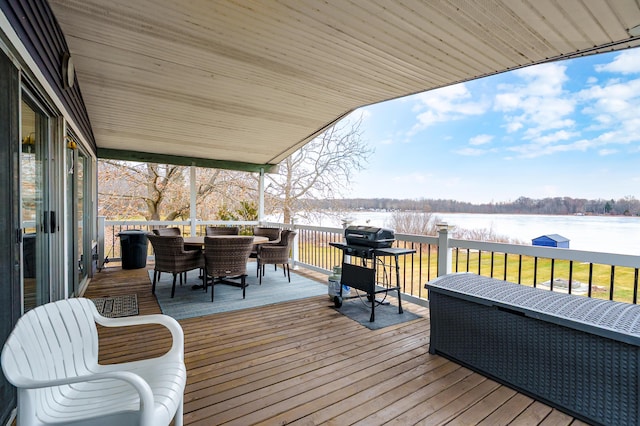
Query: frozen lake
{"points": [[609, 234]]}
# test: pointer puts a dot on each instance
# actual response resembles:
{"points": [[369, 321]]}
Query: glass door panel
{"points": [[36, 217], [78, 219], [80, 214]]}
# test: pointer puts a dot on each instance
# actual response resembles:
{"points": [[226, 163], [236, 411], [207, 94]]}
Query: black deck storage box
{"points": [[574, 353]]}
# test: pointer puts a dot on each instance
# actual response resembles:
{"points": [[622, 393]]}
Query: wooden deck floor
{"points": [[303, 363]]}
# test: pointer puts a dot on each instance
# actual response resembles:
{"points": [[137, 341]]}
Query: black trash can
{"points": [[133, 248]]}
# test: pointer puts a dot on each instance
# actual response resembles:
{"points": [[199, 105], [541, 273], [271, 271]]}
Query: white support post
{"points": [[101, 248], [444, 252], [345, 224], [193, 201], [261, 196], [296, 249]]}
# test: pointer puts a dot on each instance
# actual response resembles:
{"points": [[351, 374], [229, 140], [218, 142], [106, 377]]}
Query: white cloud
{"points": [[508, 101], [558, 136], [627, 62], [532, 150], [545, 80], [604, 152], [613, 108], [480, 139], [513, 125], [444, 105], [538, 102]]}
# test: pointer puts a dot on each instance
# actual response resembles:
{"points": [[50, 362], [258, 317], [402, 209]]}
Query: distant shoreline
{"points": [[628, 206], [520, 213]]}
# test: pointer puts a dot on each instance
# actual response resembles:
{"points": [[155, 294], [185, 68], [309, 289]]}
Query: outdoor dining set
{"points": [[221, 255]]}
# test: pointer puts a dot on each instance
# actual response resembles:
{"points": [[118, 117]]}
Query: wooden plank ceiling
{"points": [[254, 80]]}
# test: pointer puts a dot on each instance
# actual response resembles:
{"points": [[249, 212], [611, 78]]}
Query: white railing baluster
{"points": [[101, 247]]}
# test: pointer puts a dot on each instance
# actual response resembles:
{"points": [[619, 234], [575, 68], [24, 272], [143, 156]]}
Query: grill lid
{"points": [[369, 236]]}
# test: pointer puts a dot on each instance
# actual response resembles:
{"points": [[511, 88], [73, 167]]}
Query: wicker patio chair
{"points": [[172, 257], [276, 254], [225, 259], [175, 231], [273, 234], [222, 230]]}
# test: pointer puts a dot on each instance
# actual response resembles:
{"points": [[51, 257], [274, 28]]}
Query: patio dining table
{"points": [[199, 242]]}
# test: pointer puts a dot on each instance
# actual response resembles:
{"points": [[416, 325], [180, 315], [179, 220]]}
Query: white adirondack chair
{"points": [[51, 356]]}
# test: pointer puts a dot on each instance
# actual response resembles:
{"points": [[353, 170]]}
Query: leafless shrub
{"points": [[483, 234], [416, 223]]}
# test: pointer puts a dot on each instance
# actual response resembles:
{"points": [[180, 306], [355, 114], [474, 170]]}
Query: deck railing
{"points": [[108, 230], [592, 274]]}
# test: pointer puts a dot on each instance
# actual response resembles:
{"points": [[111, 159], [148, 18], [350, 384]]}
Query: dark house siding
{"points": [[9, 214], [38, 29]]}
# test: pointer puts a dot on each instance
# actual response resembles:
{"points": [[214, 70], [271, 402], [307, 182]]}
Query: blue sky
{"points": [[569, 128]]}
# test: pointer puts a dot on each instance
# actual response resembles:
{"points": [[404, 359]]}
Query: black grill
{"points": [[369, 236]]}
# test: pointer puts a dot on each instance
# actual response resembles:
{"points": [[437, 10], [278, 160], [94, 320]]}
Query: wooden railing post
{"points": [[444, 252]]}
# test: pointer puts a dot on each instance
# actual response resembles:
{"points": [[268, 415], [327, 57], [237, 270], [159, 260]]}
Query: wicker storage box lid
{"points": [[614, 320]]}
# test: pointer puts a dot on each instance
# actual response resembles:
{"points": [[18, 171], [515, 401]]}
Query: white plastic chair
{"points": [[51, 356]]}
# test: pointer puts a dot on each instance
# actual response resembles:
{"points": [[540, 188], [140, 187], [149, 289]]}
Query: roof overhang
{"points": [[243, 84]]}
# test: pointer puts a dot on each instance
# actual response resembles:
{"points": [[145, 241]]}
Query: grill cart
{"points": [[367, 266]]}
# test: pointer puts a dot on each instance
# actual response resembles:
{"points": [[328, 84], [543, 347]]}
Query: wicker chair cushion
{"points": [[222, 230], [272, 233], [167, 231]]}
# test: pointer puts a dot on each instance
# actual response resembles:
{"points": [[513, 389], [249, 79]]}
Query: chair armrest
{"points": [[177, 347], [273, 254], [138, 383], [273, 249], [191, 253], [267, 244]]}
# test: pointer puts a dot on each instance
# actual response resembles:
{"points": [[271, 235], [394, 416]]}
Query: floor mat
{"points": [[117, 306], [275, 288], [385, 315]]}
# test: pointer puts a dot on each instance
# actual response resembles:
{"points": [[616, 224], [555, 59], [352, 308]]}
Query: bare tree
{"points": [[162, 191], [318, 170]]}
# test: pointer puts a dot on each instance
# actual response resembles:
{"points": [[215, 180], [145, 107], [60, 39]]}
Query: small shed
{"points": [[551, 240]]}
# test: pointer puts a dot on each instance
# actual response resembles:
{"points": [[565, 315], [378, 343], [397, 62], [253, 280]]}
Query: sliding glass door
{"points": [[37, 217]]}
